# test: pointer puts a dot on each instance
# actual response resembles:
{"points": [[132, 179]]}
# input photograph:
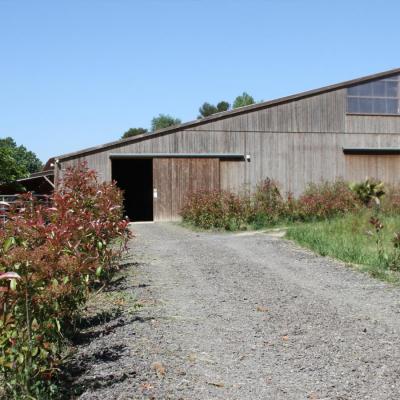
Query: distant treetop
{"points": [[164, 121], [208, 109], [133, 132], [243, 100]]}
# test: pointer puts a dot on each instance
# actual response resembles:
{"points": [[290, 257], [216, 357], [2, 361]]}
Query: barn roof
{"points": [[230, 113]]}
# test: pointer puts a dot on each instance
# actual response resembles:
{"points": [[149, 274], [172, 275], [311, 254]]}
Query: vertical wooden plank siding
{"points": [[372, 124], [180, 181], [162, 174], [232, 176], [382, 167], [176, 178]]}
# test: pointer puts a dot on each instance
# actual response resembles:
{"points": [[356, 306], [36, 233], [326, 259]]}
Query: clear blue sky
{"points": [[76, 73]]}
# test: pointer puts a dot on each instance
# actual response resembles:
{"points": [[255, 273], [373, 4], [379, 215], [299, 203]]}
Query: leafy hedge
{"points": [[216, 210], [266, 206], [50, 256], [325, 200]]}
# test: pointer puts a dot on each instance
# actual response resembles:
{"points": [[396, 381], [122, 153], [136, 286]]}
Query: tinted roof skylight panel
{"points": [[365, 89], [379, 88], [352, 91], [366, 105], [353, 105], [391, 88], [392, 106], [379, 106]]}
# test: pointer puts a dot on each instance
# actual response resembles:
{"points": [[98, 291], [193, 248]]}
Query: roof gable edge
{"points": [[228, 114]]}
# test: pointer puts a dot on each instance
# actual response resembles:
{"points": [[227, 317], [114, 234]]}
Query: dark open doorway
{"points": [[135, 178]]}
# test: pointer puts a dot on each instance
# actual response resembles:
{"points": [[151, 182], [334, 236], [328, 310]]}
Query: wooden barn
{"points": [[349, 130]]}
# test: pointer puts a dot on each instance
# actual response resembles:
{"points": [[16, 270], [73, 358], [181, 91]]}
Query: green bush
{"points": [[369, 191], [267, 207], [390, 202], [325, 200], [50, 256]]}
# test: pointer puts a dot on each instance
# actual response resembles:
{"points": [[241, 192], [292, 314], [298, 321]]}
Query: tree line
{"points": [[16, 162], [163, 121]]}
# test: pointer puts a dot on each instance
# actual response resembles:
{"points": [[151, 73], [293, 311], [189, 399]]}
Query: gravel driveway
{"points": [[244, 316]]}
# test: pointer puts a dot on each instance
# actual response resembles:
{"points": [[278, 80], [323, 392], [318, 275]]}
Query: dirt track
{"points": [[239, 316]]}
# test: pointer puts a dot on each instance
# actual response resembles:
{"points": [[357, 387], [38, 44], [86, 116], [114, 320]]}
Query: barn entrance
{"points": [[156, 185], [135, 178]]}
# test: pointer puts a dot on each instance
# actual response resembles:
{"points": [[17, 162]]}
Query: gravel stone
{"points": [[233, 316]]}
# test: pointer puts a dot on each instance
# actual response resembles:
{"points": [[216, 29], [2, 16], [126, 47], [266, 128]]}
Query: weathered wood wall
{"points": [[176, 178], [383, 167], [295, 143]]}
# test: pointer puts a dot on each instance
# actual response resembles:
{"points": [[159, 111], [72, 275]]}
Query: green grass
{"points": [[346, 239]]}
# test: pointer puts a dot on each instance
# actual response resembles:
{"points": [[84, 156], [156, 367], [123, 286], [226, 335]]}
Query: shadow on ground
{"points": [[99, 355]]}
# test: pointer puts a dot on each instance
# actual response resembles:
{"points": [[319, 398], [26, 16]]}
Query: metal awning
{"points": [[371, 150], [46, 175], [231, 156]]}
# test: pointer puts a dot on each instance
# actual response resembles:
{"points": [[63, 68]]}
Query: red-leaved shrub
{"points": [[325, 200], [390, 203], [216, 210], [266, 206], [55, 253]]}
